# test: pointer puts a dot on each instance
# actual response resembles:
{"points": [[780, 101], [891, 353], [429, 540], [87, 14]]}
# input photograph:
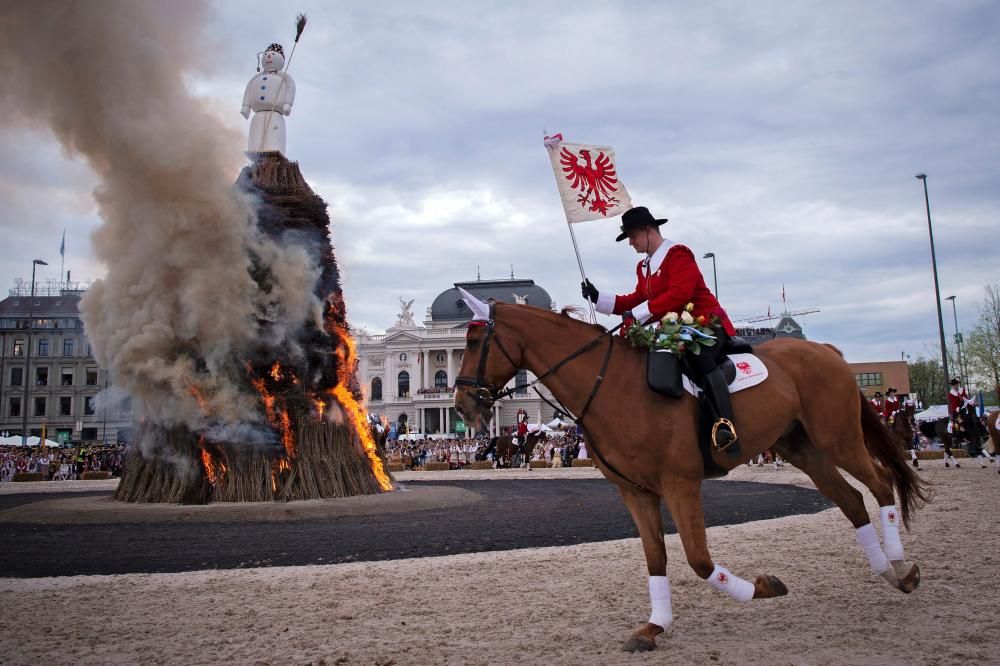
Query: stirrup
{"points": [[715, 430]]}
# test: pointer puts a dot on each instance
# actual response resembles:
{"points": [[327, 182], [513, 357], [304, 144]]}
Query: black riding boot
{"points": [[723, 430]]}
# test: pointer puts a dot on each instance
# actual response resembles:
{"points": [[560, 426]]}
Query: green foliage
{"points": [[927, 380], [982, 348]]}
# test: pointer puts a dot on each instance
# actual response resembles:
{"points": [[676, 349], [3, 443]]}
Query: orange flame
{"points": [[209, 465], [276, 417], [202, 403], [276, 371], [354, 410]]}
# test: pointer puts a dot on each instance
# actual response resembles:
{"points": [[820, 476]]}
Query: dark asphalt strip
{"points": [[512, 514]]}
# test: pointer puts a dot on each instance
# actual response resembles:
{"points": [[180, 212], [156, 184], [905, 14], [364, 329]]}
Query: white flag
{"points": [[587, 177]]}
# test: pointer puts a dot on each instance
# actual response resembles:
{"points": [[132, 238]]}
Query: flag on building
{"points": [[587, 177]]}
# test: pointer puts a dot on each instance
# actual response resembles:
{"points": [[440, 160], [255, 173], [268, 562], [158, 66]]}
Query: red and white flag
{"points": [[587, 177]]}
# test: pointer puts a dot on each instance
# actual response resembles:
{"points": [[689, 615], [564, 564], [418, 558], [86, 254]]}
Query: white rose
{"points": [[670, 318], [687, 318]]}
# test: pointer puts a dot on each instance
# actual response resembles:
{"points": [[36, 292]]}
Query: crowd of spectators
{"points": [[556, 449], [60, 464]]}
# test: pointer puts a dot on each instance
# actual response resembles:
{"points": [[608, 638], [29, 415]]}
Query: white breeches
{"points": [[267, 132]]}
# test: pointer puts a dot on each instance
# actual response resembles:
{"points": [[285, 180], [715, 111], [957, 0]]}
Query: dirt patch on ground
{"points": [[571, 604]]}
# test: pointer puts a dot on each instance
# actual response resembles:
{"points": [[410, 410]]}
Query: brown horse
{"points": [[809, 409], [505, 450]]}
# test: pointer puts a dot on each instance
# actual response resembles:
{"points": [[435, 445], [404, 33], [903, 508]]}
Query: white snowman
{"points": [[270, 96]]}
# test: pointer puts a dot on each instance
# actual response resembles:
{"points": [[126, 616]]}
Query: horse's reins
{"points": [[487, 393]]}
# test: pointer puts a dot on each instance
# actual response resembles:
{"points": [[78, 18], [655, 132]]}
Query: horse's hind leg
{"points": [[645, 509], [683, 497], [828, 480]]}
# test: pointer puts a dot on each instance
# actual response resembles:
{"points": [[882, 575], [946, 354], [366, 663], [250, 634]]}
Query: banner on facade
{"points": [[587, 178]]}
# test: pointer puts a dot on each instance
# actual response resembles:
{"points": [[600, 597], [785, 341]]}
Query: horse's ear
{"points": [[480, 310]]}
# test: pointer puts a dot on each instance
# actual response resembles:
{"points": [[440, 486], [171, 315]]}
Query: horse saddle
{"points": [[740, 367]]}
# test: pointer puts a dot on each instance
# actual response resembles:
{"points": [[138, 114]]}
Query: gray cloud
{"points": [[782, 137]]}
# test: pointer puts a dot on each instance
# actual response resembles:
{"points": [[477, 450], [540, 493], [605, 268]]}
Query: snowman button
{"points": [[262, 98], [263, 87]]}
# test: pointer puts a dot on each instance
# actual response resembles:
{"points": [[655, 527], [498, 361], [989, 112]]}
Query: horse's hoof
{"points": [[911, 580], [644, 639], [767, 586]]}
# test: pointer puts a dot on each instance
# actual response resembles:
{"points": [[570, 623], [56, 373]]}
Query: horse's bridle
{"points": [[485, 393]]}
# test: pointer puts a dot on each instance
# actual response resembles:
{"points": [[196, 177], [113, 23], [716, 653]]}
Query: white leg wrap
{"points": [[734, 586], [659, 599], [891, 544], [868, 540], [913, 454]]}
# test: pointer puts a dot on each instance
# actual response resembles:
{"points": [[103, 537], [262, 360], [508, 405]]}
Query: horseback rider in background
{"points": [[667, 279]]}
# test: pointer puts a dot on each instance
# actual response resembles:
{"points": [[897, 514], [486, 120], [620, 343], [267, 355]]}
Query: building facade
{"points": [[59, 389], [408, 373]]}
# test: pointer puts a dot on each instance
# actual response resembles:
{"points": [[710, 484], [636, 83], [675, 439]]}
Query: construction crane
{"points": [[769, 317]]}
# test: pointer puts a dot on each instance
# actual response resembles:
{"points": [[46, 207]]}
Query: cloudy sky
{"points": [[783, 137]]}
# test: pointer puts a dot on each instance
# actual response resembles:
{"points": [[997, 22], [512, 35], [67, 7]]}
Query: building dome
{"points": [[449, 307]]}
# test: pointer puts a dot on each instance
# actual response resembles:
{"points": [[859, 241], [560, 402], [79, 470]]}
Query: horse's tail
{"points": [[883, 446]]}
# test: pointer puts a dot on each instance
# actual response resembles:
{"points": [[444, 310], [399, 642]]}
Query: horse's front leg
{"points": [[683, 497], [645, 509]]}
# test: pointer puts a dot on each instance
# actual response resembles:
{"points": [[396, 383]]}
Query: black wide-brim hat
{"points": [[637, 218]]}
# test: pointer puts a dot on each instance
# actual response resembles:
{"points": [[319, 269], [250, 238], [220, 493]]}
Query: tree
{"points": [[927, 380], [983, 348]]}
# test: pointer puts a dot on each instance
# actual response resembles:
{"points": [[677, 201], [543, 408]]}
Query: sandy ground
{"points": [[567, 605]]}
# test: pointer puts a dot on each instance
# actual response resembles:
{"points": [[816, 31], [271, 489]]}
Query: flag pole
{"points": [[579, 262]]}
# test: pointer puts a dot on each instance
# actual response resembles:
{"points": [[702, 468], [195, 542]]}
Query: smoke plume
{"points": [[178, 311]]}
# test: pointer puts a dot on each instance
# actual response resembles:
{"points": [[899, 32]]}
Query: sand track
{"points": [[572, 604]]}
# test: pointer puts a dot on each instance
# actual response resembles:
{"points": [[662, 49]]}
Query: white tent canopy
{"points": [[13, 440], [35, 441], [557, 423], [932, 413]]}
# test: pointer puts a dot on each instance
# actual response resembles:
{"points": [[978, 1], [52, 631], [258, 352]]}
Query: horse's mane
{"points": [[577, 313]]}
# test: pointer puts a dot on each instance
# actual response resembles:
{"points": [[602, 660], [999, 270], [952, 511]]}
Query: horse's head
{"points": [[487, 365]]}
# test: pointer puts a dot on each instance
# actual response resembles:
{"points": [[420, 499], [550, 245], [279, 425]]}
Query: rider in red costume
{"points": [[667, 279]]}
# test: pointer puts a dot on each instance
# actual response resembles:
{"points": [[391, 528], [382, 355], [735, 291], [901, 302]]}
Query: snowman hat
{"points": [[276, 47]]}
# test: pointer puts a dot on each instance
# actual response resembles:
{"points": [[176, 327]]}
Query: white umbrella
{"points": [[51, 444], [13, 440], [556, 423]]}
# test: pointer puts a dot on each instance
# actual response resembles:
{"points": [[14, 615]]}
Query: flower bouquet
{"points": [[677, 333]]}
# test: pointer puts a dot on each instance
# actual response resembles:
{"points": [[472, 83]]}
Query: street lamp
{"points": [[937, 289], [715, 278], [903, 356], [958, 342], [27, 360]]}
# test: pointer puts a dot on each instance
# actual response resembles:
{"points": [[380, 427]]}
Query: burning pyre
{"points": [[317, 439]]}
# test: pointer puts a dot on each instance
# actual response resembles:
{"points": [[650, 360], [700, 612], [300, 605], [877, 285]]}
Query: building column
{"points": [[447, 419], [451, 367], [427, 370]]}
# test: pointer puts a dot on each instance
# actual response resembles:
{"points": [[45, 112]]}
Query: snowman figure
{"points": [[270, 96]]}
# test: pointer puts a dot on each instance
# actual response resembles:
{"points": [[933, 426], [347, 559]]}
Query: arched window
{"points": [[376, 393], [440, 379], [403, 385], [520, 382]]}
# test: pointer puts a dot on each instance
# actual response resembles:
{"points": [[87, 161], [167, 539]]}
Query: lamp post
{"points": [[715, 278], [937, 289], [27, 359], [958, 342]]}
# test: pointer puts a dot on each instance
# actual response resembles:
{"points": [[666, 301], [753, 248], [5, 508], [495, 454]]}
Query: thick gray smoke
{"points": [[178, 310]]}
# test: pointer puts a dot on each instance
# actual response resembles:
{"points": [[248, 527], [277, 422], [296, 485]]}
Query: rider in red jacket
{"points": [[667, 279]]}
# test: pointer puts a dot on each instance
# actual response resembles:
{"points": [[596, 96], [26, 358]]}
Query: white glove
{"points": [[245, 112], [286, 109]]}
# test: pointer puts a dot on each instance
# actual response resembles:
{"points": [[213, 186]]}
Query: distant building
{"points": [[408, 373], [881, 375], [785, 328], [63, 379]]}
